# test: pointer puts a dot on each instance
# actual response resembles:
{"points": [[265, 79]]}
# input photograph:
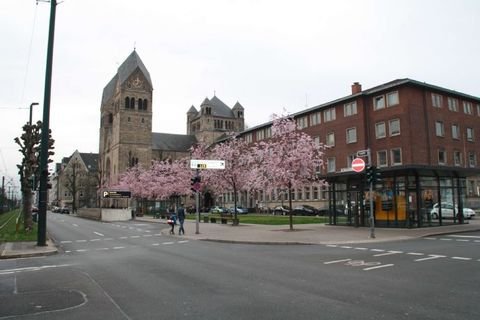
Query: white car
{"points": [[448, 211]]}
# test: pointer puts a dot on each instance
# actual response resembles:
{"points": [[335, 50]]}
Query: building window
{"points": [[307, 193], [472, 159], [315, 193], [455, 131], [350, 159], [132, 103], [330, 139], [392, 99], [478, 110], [127, 102], [329, 115], [299, 194], [457, 158], [436, 100], [351, 135], [467, 107], [396, 156], [452, 104], [382, 160], [302, 123], [439, 129], [315, 118], [442, 156], [260, 135], [331, 164], [380, 131], [378, 103], [470, 134], [140, 104], [316, 140], [268, 132], [145, 104], [350, 109], [394, 127], [248, 138]]}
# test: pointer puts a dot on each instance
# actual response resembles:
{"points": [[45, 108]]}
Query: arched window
{"points": [[110, 118], [145, 104], [127, 102], [140, 106], [132, 103]]}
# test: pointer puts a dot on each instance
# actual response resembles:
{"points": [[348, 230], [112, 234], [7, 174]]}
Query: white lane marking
{"points": [[332, 245], [476, 240], [446, 239], [430, 257], [183, 241], [387, 253], [123, 237], [358, 248], [169, 242], [74, 224], [462, 240], [147, 235], [462, 258], [26, 269], [337, 261], [148, 231], [157, 234], [155, 244], [81, 241], [470, 237], [429, 238], [415, 254], [81, 250], [134, 237], [102, 249], [345, 247], [99, 234], [378, 267], [66, 241], [117, 248], [377, 250]]}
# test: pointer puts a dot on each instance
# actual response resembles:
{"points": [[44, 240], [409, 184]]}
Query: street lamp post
{"points": [[31, 106]]}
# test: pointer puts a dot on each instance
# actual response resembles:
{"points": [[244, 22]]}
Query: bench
{"points": [[224, 218]]}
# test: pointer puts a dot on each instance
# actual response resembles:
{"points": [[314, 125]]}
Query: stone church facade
{"points": [[126, 137]]}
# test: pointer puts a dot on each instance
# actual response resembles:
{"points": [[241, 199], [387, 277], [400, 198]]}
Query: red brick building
{"points": [[423, 138]]}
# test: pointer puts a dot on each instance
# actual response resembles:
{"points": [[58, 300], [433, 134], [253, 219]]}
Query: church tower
{"points": [[126, 121]]}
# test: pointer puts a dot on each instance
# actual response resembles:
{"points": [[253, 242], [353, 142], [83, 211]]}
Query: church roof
{"points": [[219, 109], [172, 142], [90, 160], [192, 110], [238, 106], [124, 71]]}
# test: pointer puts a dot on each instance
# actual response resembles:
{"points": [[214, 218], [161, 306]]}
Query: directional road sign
{"points": [[117, 194], [207, 164]]}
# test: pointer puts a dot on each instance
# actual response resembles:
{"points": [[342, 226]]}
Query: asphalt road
{"points": [[129, 270]]}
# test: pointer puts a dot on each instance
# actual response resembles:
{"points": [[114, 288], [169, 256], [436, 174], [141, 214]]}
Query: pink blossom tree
{"points": [[290, 159]]}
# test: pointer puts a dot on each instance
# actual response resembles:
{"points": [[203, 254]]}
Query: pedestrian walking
{"points": [[172, 221], [181, 218]]}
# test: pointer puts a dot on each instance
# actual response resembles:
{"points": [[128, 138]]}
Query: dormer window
{"points": [[208, 110]]}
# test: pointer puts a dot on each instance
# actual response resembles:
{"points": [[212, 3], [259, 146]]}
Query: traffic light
{"points": [[374, 176], [195, 183]]}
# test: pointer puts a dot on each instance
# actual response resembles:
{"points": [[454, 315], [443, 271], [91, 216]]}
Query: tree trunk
{"points": [[27, 209], [290, 204]]}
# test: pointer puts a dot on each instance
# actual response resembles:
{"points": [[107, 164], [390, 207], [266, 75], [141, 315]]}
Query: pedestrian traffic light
{"points": [[195, 183]]}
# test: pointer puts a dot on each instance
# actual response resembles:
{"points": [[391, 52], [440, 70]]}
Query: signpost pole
{"points": [[197, 206], [370, 195]]}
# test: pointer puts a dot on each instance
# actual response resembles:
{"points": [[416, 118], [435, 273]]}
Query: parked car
{"points": [[305, 210], [240, 210], [448, 211], [65, 210], [281, 210], [218, 209]]}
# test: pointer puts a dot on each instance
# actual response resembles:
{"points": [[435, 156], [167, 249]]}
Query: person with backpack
{"points": [[172, 221]]}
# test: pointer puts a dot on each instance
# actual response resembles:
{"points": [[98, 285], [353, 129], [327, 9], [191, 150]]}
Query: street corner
{"points": [[14, 250]]}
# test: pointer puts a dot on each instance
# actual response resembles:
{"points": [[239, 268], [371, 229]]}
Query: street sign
{"points": [[117, 194], [363, 153], [207, 164], [358, 165]]}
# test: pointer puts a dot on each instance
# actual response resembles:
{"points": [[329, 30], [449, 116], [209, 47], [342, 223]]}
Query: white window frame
{"points": [[437, 100], [329, 115], [315, 118], [396, 101], [378, 102], [472, 159], [470, 134], [331, 167], [379, 160], [455, 131], [457, 158], [452, 104], [351, 131], [302, 123], [390, 130], [328, 142], [478, 110], [467, 107], [260, 135], [316, 140], [248, 138], [378, 134], [392, 156], [439, 125], [444, 155], [350, 109]]}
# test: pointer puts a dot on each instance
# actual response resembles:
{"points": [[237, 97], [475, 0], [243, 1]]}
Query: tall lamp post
{"points": [[42, 205], [31, 106]]}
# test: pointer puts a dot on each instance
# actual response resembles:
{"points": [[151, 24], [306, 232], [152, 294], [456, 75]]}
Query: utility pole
{"points": [[371, 217], [42, 206], [31, 107]]}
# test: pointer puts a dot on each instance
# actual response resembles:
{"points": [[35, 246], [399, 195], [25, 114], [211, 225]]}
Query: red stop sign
{"points": [[358, 164]]}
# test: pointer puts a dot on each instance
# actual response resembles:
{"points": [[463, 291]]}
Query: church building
{"points": [[126, 137]]}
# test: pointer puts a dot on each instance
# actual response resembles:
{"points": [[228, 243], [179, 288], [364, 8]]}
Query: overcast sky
{"points": [[270, 55]]}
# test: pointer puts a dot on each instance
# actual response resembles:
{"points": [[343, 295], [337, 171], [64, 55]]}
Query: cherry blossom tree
{"points": [[290, 159]]}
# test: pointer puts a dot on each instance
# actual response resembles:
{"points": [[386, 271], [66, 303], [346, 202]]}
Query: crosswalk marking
{"points": [[430, 257], [387, 253], [378, 267]]}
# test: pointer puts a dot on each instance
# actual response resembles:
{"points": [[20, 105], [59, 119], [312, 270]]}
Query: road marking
{"points": [[81, 241], [430, 238], [26, 269], [155, 244], [123, 237], [446, 239], [337, 261], [476, 240], [361, 248], [183, 241], [93, 240], [462, 240], [332, 245], [345, 247], [81, 250], [134, 237], [169, 242], [462, 258], [117, 248], [157, 234], [74, 224], [387, 253], [460, 236], [108, 239], [378, 267], [430, 257], [377, 250], [99, 234], [66, 241], [68, 251], [415, 254], [147, 235], [148, 231], [102, 249]]}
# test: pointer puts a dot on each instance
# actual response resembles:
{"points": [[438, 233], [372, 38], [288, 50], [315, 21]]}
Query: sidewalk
{"points": [[306, 234], [262, 234]]}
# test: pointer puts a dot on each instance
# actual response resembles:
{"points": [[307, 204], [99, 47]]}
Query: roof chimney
{"points": [[356, 88]]}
